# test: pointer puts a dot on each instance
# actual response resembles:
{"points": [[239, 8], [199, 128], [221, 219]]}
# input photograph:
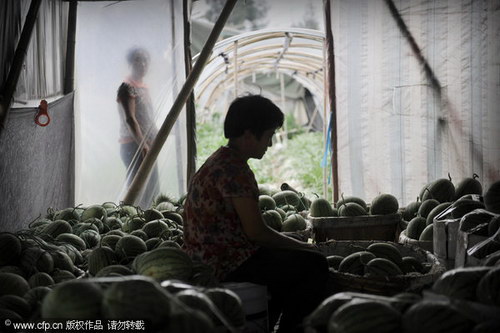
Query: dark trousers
{"points": [[132, 158], [296, 281]]}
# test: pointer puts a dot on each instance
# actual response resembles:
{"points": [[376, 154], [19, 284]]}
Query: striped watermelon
{"points": [[164, 263]]}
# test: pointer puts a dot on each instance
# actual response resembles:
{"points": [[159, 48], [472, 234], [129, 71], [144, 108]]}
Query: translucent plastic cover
{"points": [[130, 67]]}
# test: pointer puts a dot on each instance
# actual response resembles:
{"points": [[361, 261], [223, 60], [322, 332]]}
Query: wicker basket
{"points": [[426, 245], [366, 227], [389, 286]]}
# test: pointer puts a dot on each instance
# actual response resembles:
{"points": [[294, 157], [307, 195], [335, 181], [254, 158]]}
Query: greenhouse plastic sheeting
{"points": [[36, 164], [106, 32], [394, 132]]}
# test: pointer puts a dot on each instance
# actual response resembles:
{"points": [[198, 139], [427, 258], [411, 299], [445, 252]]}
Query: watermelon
{"points": [[294, 222], [72, 239], [129, 246], [427, 234], [60, 275], [229, 304], [411, 210], [351, 209], [16, 304], [273, 219], [460, 282], [492, 198], [436, 211], [365, 316], [164, 263], [99, 258], [134, 223], [62, 261], [320, 207], [343, 200], [156, 228], [110, 241], [197, 300], [13, 284], [76, 299], [35, 259], [137, 297], [91, 238], [67, 214], [114, 270], [141, 234], [354, 263], [94, 211], [56, 228], [386, 251], [488, 291], [441, 190], [286, 197], [10, 248], [384, 204], [435, 316], [35, 296], [266, 202], [152, 214], [469, 185], [426, 207], [334, 261], [381, 267], [40, 279], [415, 227]]}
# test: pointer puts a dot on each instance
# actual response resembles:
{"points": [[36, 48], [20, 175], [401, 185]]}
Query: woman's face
{"points": [[139, 65]]}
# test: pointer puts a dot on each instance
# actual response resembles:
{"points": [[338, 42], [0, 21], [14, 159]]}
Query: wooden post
{"points": [[332, 96], [69, 79], [9, 89], [150, 158], [190, 107]]}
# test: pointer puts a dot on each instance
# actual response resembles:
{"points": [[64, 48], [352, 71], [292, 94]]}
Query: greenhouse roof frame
{"points": [[296, 52]]}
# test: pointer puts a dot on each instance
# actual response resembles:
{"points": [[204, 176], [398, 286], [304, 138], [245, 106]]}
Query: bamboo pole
{"points": [[332, 96], [190, 106], [235, 69], [9, 89], [150, 158], [69, 79]]}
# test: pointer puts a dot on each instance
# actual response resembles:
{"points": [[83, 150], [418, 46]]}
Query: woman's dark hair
{"points": [[254, 113], [137, 51]]}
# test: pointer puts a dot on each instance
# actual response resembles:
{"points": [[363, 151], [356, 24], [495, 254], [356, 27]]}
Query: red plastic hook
{"points": [[43, 114]]}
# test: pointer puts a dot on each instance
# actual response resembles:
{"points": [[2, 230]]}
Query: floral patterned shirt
{"points": [[212, 229]]}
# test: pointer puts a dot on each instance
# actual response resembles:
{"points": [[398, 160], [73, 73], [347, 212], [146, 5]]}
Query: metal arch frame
{"points": [[303, 60]]}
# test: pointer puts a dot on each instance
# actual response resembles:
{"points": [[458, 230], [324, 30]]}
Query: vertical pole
{"points": [[8, 90], [190, 107], [69, 76], [332, 96], [150, 158], [283, 106], [235, 69]]}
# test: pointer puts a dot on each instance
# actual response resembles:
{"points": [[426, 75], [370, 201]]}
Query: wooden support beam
{"points": [[330, 72]]}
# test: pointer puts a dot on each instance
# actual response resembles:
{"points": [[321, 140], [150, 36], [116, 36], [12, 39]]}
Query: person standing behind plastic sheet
{"points": [[224, 227], [137, 127]]}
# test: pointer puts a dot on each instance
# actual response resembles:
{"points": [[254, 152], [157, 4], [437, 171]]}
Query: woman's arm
{"points": [[257, 230]]}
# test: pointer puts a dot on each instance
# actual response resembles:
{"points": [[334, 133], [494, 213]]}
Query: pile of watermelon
{"points": [[441, 198], [127, 261], [461, 300]]}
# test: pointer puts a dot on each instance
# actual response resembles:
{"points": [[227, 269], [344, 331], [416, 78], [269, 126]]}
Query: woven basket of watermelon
{"points": [[364, 227], [424, 244], [379, 267]]}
